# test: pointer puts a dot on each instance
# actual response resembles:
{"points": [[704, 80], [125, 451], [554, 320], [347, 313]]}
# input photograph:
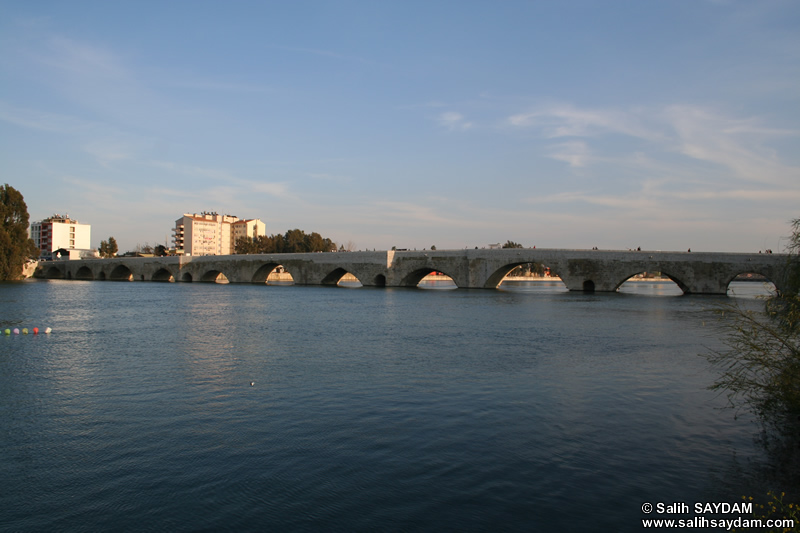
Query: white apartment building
{"points": [[62, 233], [212, 233], [250, 228]]}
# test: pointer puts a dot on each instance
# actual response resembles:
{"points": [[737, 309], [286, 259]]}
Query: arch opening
{"points": [[163, 274], [380, 280], [101, 276], [186, 277], [53, 273], [121, 273], [429, 279], [588, 286], [272, 274], [652, 284], [750, 285], [214, 276], [342, 278], [84, 272], [526, 277]]}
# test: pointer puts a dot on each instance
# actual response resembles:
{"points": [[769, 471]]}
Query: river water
{"points": [[188, 406]]}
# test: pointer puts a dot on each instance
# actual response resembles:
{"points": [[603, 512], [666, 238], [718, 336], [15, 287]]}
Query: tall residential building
{"points": [[212, 233], [62, 233]]}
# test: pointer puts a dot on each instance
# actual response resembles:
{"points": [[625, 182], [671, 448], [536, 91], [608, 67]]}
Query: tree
{"points": [[245, 245], [512, 244], [760, 367], [15, 245], [293, 241], [108, 248]]}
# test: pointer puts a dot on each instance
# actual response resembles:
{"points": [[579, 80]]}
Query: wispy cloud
{"points": [[217, 175], [739, 146], [330, 177], [218, 86], [43, 121], [83, 59], [569, 121], [574, 153], [454, 121], [328, 54]]}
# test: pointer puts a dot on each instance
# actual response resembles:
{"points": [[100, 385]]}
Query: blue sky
{"points": [[667, 125]]}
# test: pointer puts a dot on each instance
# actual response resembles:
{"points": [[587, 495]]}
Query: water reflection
{"points": [[438, 284], [542, 285], [663, 287]]}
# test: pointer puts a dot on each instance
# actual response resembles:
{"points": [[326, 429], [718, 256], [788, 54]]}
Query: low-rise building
{"points": [[60, 235], [250, 228]]}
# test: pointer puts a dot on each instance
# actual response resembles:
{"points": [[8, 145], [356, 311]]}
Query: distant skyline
{"points": [[663, 125]]}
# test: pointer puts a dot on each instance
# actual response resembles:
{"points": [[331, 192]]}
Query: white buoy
{"points": [[48, 330]]}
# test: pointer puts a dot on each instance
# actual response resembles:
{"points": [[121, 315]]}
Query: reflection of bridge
{"points": [[581, 270]]}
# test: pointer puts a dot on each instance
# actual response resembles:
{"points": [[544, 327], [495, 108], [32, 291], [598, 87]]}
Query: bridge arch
{"points": [[186, 277], [672, 276], [53, 273], [768, 285], [121, 273], [214, 276], [85, 273], [101, 276], [162, 274], [340, 275], [272, 273], [413, 278], [496, 278]]}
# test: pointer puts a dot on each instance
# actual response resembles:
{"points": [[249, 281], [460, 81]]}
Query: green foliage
{"points": [[760, 367], [792, 281], [15, 245], [293, 241], [108, 248], [512, 244]]}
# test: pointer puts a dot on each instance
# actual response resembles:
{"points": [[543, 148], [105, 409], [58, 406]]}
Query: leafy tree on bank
{"points": [[108, 248], [293, 241], [760, 367], [15, 245], [512, 244]]}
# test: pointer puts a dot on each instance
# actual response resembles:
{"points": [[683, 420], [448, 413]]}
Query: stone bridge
{"points": [[580, 270]]}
